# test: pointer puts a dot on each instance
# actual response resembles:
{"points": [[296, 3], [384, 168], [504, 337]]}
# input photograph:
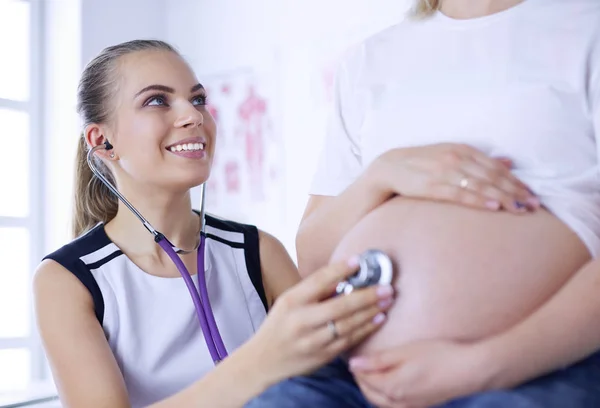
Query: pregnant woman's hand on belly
{"points": [[455, 173], [421, 374], [308, 327]]}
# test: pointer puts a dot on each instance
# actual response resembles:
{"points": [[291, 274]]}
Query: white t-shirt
{"points": [[523, 83]]}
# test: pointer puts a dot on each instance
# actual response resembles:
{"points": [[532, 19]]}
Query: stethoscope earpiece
{"points": [[107, 145]]}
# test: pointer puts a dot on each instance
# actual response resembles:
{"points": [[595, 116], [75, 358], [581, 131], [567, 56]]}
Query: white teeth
{"points": [[186, 147]]}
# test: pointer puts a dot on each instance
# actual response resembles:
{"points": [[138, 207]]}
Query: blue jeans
{"points": [[333, 386]]}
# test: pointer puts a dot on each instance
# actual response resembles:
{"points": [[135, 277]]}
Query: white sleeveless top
{"points": [[150, 322]]}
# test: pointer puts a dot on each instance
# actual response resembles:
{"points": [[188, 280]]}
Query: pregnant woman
{"points": [[465, 145]]}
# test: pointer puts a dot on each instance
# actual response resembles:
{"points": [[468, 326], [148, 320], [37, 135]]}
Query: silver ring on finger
{"points": [[464, 183], [333, 329]]}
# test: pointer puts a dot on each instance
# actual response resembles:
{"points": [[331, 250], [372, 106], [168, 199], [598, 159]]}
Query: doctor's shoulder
{"points": [[61, 278], [74, 341], [54, 277]]}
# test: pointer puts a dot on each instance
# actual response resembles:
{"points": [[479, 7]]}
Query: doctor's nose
{"points": [[190, 119]]}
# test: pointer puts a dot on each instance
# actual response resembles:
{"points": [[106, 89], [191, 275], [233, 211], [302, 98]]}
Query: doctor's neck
{"points": [[169, 213]]}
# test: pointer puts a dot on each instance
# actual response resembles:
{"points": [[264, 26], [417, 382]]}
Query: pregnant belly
{"points": [[462, 273]]}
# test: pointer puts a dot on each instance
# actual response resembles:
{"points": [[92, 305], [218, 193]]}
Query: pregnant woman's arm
{"points": [[562, 331], [567, 327], [445, 172], [345, 189]]}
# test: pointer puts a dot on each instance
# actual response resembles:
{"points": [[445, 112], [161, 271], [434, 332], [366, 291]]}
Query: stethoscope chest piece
{"points": [[375, 268]]}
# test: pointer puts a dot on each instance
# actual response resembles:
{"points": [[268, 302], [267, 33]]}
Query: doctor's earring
{"points": [[112, 155]]}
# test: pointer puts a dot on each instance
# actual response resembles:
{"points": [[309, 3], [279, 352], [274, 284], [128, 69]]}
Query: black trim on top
{"points": [[224, 241], [252, 254], [82, 271], [68, 256], [105, 260], [251, 250]]}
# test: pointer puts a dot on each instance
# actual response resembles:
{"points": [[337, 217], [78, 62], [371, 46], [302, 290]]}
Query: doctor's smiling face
{"points": [[162, 133]]}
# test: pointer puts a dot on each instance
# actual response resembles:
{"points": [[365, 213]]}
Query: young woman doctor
{"points": [[114, 314]]}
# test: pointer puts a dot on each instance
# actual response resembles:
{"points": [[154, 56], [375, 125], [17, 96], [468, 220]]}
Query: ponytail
{"points": [[94, 202]]}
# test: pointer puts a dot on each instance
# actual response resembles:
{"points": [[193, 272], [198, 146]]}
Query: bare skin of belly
{"points": [[461, 273]]}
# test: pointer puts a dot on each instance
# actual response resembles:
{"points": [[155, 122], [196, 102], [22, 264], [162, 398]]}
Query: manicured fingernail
{"points": [[385, 291], [353, 262], [384, 304], [493, 205], [520, 206], [356, 363], [379, 318]]}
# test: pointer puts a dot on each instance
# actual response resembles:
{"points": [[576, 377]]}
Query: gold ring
{"points": [[333, 329]]}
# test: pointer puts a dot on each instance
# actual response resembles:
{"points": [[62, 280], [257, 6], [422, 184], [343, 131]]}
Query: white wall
{"points": [[109, 22], [295, 38]]}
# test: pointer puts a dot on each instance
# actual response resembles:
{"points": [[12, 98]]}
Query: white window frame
{"points": [[33, 222]]}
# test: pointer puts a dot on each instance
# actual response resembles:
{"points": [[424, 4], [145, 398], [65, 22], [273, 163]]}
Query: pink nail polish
{"points": [[384, 304], [506, 161], [357, 363], [534, 202], [385, 291], [353, 262], [493, 205], [379, 318]]}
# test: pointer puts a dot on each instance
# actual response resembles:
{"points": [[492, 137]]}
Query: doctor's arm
{"points": [[84, 367], [293, 339]]}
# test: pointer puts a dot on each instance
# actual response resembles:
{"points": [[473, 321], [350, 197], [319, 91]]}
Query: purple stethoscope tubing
{"points": [[204, 312]]}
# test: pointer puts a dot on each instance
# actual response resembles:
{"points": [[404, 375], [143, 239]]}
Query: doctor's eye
{"points": [[156, 100], [199, 100]]}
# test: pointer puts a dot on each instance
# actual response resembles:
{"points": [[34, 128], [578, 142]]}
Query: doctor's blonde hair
{"points": [[425, 8], [94, 202]]}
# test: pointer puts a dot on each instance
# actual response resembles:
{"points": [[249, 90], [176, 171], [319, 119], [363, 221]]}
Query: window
{"points": [[21, 358]]}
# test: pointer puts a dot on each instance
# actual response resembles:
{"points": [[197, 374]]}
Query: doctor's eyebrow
{"points": [[167, 89], [196, 87]]}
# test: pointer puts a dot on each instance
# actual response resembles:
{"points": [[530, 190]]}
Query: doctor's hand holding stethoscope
{"points": [[307, 327]]}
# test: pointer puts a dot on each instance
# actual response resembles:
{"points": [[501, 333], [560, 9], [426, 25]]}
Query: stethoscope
{"points": [[200, 298]]}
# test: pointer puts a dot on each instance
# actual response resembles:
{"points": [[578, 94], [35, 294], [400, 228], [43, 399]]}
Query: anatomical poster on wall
{"points": [[246, 182]]}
